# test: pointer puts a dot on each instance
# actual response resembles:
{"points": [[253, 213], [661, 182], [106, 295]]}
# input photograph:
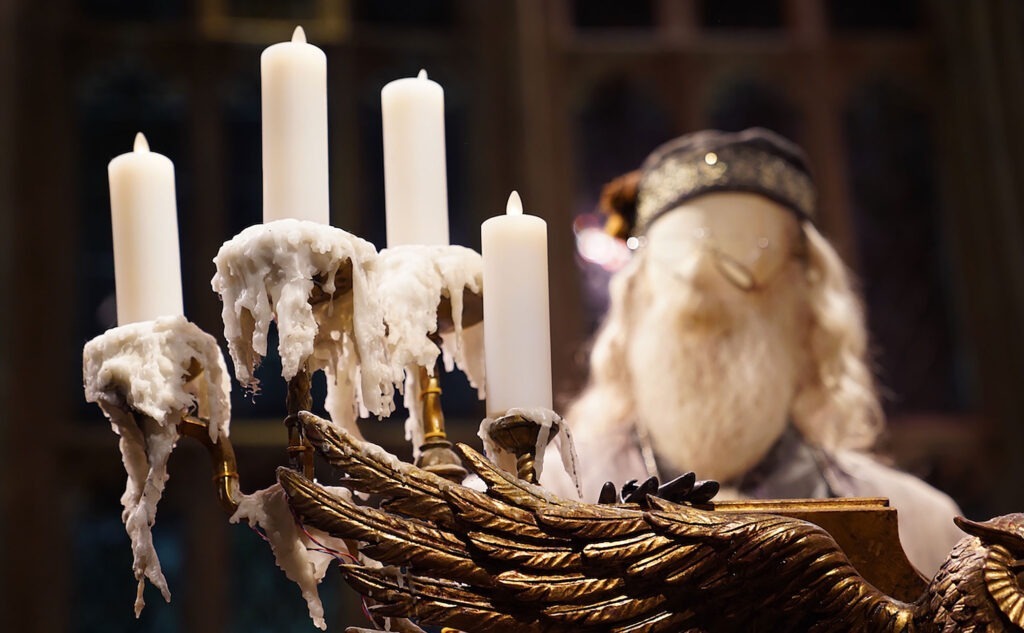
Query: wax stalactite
{"points": [[265, 274], [415, 175], [134, 372], [303, 553], [144, 218], [293, 77], [516, 317]]}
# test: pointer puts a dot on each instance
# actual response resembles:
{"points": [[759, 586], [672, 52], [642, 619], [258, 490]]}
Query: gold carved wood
{"points": [[517, 558], [865, 529]]}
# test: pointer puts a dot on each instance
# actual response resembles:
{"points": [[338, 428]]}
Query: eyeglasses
{"points": [[744, 270]]}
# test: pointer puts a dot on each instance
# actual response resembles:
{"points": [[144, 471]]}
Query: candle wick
{"points": [[515, 205], [141, 145], [423, 73], [298, 35]]}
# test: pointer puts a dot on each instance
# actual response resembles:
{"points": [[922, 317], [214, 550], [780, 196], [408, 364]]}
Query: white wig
{"points": [[838, 406]]}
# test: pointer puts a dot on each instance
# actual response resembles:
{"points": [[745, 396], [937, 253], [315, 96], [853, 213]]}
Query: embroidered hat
{"points": [[756, 160]]}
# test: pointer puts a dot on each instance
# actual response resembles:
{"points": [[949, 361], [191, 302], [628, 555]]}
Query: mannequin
{"points": [[735, 346]]}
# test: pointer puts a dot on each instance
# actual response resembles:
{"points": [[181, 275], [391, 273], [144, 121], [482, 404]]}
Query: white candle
{"points": [[517, 336], [293, 77], [415, 177], [144, 216]]}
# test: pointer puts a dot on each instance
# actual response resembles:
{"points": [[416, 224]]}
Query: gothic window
{"points": [[741, 14], [901, 245], [243, 150], [271, 9], [620, 121], [610, 14], [740, 103], [132, 10], [863, 15], [395, 13]]}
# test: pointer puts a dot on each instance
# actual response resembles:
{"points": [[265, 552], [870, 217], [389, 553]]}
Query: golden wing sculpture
{"points": [[518, 558]]}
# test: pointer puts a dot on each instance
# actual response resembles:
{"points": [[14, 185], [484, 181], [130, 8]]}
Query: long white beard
{"points": [[712, 369]]}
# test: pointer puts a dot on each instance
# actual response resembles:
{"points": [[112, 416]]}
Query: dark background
{"points": [[911, 112]]}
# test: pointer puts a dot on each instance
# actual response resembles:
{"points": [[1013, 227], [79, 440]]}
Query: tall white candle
{"points": [[517, 336], [415, 177], [293, 77], [144, 216]]}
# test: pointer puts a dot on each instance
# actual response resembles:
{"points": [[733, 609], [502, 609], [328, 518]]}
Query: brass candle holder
{"points": [[222, 456], [222, 453], [299, 398], [436, 454], [518, 435]]}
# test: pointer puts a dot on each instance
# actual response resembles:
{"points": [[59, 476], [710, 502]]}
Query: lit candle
{"points": [[415, 178], [144, 216], [293, 77], [517, 337]]}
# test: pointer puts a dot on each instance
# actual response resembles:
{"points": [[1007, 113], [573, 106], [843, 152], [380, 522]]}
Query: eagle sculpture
{"points": [[518, 558]]}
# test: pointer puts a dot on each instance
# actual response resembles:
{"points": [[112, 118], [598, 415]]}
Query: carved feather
{"points": [[520, 559], [526, 553], [620, 610], [594, 522], [400, 593], [572, 588], [502, 485], [369, 469], [616, 555], [387, 538], [481, 511]]}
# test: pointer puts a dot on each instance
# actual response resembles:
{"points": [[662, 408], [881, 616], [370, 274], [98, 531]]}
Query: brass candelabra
{"points": [[436, 454], [517, 558]]}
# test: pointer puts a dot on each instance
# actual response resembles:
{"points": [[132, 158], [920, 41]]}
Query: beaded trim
{"points": [[687, 174]]}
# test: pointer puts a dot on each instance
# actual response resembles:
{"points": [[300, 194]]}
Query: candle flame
{"points": [[423, 73], [515, 205], [298, 35], [141, 144]]}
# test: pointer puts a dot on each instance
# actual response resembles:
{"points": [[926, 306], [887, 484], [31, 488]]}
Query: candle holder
{"points": [[323, 288], [518, 434], [436, 454], [341, 284], [519, 558], [299, 398], [222, 457]]}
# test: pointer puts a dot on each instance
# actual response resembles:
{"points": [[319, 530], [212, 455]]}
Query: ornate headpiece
{"points": [[754, 160]]}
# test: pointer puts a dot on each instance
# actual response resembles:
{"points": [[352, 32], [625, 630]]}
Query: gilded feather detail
{"points": [[517, 558]]}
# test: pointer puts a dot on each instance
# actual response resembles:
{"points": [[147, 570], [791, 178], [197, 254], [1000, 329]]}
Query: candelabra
{"points": [[514, 557], [368, 319]]}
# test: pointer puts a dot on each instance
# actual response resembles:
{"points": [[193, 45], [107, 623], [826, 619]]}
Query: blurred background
{"points": [[910, 111]]}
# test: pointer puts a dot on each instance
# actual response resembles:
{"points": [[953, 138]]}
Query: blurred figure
{"points": [[735, 346]]}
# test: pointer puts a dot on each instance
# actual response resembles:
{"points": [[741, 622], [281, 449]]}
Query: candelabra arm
{"points": [[436, 454], [299, 398], [222, 454], [430, 397], [518, 435]]}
